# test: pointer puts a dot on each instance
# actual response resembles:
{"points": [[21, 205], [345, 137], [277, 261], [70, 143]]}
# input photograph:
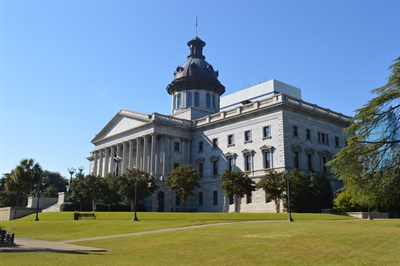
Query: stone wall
{"points": [[10, 213]]}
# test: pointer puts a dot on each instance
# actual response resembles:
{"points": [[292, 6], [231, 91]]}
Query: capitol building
{"points": [[258, 129]]}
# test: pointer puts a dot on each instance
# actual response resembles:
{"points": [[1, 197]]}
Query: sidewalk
{"points": [[35, 245]]}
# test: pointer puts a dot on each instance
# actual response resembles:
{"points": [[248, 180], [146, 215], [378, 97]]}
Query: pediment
{"points": [[266, 147], [122, 122], [230, 154]]}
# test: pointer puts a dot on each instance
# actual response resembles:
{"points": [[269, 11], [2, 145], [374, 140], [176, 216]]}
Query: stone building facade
{"points": [[256, 130]]}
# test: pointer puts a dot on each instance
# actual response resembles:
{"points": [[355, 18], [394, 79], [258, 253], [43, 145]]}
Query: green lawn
{"points": [[310, 240]]}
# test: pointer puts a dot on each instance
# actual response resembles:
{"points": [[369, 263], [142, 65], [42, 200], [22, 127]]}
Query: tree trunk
{"points": [[236, 203], [277, 205], [132, 205], [183, 203], [93, 205]]}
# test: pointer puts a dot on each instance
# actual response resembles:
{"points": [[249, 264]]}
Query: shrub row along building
{"points": [[255, 130]]}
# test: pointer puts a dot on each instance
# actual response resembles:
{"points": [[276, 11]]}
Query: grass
{"points": [[310, 240]]}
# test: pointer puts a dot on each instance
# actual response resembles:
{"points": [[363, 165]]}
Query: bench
{"points": [[78, 215], [6, 238]]}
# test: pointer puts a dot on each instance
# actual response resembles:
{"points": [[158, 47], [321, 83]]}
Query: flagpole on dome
{"points": [[196, 24]]}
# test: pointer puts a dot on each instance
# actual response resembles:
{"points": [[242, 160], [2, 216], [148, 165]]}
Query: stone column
{"points": [[152, 154], [167, 154], [138, 153], [94, 172], [112, 163], [124, 157], [106, 160], [145, 153], [130, 155], [100, 173]]}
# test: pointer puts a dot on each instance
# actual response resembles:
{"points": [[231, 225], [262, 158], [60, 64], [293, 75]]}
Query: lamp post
{"points": [[71, 171], [38, 197], [290, 219], [117, 159], [135, 218], [369, 213]]}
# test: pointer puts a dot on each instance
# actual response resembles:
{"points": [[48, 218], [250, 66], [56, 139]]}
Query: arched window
{"points": [[196, 99], [208, 100], [189, 99], [179, 101]]}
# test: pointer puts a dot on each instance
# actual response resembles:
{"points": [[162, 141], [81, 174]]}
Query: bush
{"points": [[344, 202]]}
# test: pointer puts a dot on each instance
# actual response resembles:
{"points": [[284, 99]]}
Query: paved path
{"points": [[35, 245], [160, 231]]}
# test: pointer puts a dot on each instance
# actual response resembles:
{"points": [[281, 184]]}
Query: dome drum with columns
{"points": [[195, 83]]}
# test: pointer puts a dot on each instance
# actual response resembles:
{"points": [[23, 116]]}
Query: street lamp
{"points": [[38, 197], [117, 159], [369, 213], [71, 171], [290, 219], [135, 218], [81, 168]]}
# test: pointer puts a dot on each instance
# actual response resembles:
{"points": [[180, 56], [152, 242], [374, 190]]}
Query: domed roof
{"points": [[196, 72]]}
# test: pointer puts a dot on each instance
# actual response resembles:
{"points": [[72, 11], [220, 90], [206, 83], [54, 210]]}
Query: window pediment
{"points": [[246, 151], [230, 155], [266, 147]]}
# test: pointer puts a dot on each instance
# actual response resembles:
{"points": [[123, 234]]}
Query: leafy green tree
{"points": [[138, 181], [22, 180], [369, 165], [111, 193], [77, 190], [53, 183], [7, 198], [236, 185], [344, 202], [274, 185], [94, 187], [308, 193], [183, 180]]}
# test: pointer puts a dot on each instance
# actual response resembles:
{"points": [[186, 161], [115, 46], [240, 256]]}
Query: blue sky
{"points": [[67, 67]]}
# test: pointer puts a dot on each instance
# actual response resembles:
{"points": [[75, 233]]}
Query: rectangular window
{"points": [[177, 200], [323, 138], [201, 166], [215, 197], [309, 161], [176, 146], [200, 198], [249, 198], [267, 132], [295, 133], [231, 164], [176, 165], [324, 161], [215, 167], [296, 159], [231, 140], [308, 134], [215, 143], [200, 146], [248, 162], [247, 136], [267, 159], [337, 141]]}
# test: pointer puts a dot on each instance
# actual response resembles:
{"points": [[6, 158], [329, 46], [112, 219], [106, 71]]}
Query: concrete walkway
{"points": [[35, 245]]}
